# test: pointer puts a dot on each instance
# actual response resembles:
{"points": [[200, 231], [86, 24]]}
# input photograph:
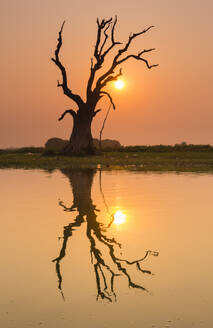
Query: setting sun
{"points": [[119, 84], [119, 217]]}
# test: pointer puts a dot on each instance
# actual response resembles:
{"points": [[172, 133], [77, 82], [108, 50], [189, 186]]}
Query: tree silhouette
{"points": [[81, 141], [106, 268]]}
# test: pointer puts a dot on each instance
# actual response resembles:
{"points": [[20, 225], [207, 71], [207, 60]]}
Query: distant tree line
{"points": [[169, 148], [182, 147]]}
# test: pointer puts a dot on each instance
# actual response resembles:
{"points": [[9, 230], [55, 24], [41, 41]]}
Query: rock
{"points": [[107, 143], [114, 144], [56, 144]]}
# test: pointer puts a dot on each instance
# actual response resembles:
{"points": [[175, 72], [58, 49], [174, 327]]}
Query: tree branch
{"points": [[96, 112], [76, 98], [106, 37], [131, 37], [101, 54], [101, 27], [70, 111], [106, 77], [103, 125], [109, 96], [138, 57], [112, 38], [111, 78]]}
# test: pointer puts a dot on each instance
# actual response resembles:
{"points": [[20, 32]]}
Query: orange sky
{"points": [[169, 104]]}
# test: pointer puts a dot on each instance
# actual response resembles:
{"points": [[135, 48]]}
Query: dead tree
{"points": [[81, 141]]}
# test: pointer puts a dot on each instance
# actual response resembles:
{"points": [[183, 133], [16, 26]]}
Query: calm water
{"points": [[120, 249]]}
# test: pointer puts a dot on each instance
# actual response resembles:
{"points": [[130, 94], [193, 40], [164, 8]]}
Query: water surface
{"points": [[67, 262]]}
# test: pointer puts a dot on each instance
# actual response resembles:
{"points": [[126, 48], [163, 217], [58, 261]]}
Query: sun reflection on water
{"points": [[119, 217]]}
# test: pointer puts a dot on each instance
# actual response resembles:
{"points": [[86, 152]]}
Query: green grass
{"points": [[128, 159]]}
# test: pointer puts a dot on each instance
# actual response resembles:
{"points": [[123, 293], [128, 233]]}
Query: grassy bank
{"points": [[129, 158]]}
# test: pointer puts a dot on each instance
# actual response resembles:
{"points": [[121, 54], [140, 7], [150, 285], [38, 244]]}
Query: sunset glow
{"points": [[119, 84], [150, 100]]}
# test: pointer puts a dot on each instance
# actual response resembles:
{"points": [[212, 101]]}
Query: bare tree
{"points": [[81, 137]]}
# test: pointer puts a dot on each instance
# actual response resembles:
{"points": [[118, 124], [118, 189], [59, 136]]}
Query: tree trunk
{"points": [[81, 142]]}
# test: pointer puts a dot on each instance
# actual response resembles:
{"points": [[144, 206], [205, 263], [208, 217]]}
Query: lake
{"points": [[85, 248]]}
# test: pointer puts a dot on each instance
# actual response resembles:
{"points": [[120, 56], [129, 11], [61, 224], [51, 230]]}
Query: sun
{"points": [[119, 217], [119, 84]]}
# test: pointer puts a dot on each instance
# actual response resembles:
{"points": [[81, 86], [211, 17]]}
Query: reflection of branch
{"points": [[102, 293], [118, 264], [101, 191], [67, 234], [140, 260], [58, 272], [137, 262], [67, 209], [105, 272], [100, 263]]}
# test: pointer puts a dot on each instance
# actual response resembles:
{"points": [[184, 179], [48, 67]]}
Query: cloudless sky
{"points": [[168, 104]]}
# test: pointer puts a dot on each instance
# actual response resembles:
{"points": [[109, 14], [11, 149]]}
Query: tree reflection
{"points": [[107, 266]]}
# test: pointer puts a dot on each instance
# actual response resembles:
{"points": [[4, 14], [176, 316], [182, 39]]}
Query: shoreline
{"points": [[175, 161]]}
